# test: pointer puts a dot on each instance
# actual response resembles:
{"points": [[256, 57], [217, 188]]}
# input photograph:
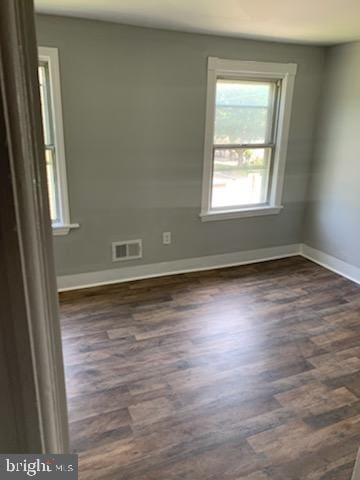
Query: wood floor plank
{"points": [[277, 443], [242, 373], [314, 399], [95, 404], [108, 426]]}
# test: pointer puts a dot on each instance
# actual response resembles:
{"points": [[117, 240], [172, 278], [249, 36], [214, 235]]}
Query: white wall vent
{"points": [[128, 250]]}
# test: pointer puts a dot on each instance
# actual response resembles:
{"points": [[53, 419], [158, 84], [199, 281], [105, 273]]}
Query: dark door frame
{"points": [[29, 326]]}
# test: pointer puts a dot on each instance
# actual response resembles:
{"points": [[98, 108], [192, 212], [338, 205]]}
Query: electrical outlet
{"points": [[166, 236]]}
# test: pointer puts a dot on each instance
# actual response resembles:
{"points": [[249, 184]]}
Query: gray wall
{"points": [[134, 112], [333, 214]]}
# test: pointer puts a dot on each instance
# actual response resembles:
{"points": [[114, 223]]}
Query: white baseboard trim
{"points": [[331, 263], [126, 274]]}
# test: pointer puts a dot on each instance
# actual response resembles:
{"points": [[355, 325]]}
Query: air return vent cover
{"points": [[128, 250]]}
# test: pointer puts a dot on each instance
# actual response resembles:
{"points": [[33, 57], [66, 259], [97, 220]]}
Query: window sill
{"points": [[63, 229], [248, 212]]}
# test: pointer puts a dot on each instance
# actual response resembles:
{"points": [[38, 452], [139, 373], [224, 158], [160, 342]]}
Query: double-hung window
{"points": [[51, 112], [247, 125]]}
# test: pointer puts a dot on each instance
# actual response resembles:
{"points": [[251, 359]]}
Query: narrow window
{"points": [[48, 128], [248, 110], [51, 112]]}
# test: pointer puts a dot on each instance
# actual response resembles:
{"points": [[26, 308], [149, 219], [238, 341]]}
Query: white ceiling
{"points": [[304, 21]]}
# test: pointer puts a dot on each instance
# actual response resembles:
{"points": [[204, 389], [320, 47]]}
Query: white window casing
{"points": [[284, 73]]}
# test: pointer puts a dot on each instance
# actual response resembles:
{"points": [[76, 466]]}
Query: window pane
{"points": [[45, 104], [240, 177], [243, 111], [52, 190]]}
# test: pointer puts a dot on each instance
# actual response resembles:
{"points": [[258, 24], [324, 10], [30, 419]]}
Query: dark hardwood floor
{"points": [[246, 373]]}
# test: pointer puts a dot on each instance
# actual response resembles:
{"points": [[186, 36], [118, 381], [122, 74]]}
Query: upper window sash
{"points": [[280, 74], [46, 112], [272, 86]]}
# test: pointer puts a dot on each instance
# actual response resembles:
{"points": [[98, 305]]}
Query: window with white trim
{"points": [[246, 136], [51, 111]]}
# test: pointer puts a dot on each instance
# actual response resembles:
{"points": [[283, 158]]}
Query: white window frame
{"points": [[50, 56], [284, 72]]}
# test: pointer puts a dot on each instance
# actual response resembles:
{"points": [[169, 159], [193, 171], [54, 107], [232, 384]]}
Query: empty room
{"points": [[193, 294]]}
